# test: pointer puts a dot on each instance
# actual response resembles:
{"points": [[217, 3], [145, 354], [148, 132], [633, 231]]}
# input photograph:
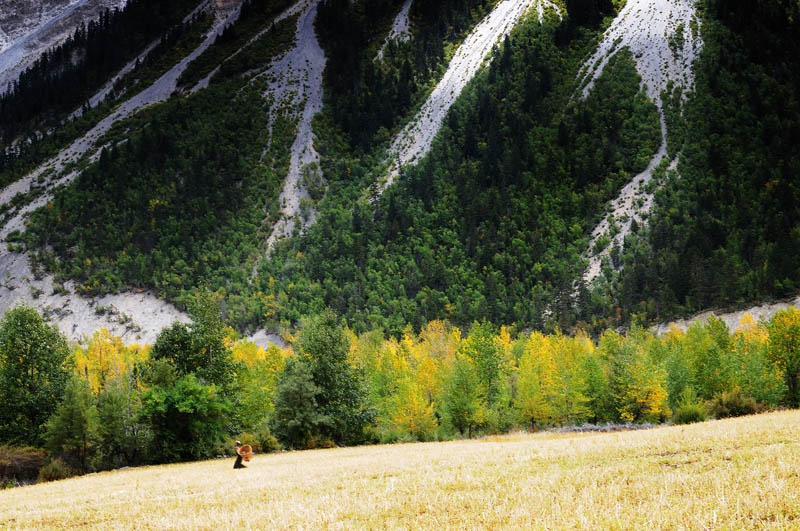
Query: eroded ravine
{"points": [[664, 39], [414, 141], [295, 82]]}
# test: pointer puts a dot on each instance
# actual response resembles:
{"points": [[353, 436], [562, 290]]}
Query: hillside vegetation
{"points": [[731, 474], [725, 230], [494, 224]]}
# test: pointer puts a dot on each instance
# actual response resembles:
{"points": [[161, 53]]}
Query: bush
{"points": [[393, 436], [20, 462], [187, 420], [688, 413], [56, 469], [319, 441], [261, 440], [734, 403], [499, 420]]}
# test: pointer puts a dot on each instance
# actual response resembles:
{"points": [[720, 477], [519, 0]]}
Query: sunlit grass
{"points": [[733, 474]]}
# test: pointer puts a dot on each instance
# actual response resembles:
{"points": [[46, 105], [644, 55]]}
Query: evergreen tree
{"points": [[296, 420], [72, 432]]}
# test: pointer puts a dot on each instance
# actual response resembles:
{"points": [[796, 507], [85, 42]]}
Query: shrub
{"points": [[261, 440], [733, 403], [267, 441], [688, 413], [392, 436], [319, 441], [20, 462], [499, 420], [56, 469]]}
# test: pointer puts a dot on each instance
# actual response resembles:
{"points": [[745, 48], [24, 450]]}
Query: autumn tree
{"points": [[784, 350], [536, 382], [105, 358], [637, 385]]}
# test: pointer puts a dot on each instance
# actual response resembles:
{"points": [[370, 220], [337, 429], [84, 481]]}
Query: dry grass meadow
{"points": [[733, 474]]}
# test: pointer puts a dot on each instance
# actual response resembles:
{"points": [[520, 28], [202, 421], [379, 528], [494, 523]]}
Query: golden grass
{"points": [[732, 474]]}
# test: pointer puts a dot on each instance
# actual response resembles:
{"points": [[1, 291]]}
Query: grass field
{"points": [[733, 474]]}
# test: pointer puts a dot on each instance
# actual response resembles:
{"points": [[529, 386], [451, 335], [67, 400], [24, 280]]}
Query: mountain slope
{"points": [[664, 38], [517, 161]]}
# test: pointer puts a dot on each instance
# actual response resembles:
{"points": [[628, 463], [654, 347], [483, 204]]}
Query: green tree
{"points": [[296, 419], [33, 374], [462, 398], [342, 393], [480, 347], [198, 348], [72, 432], [638, 386], [187, 419], [122, 439]]}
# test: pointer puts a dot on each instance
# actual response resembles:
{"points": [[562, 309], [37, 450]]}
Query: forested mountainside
{"points": [[270, 175]]}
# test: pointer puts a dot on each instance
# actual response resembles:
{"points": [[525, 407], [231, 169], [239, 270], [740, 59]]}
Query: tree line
{"points": [[102, 405]]}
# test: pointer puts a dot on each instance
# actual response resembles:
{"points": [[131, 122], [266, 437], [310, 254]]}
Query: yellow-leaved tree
{"points": [[784, 350], [638, 384], [749, 365], [536, 382], [106, 358]]}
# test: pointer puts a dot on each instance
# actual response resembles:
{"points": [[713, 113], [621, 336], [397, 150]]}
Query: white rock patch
{"points": [[28, 33], [401, 28], [732, 319], [296, 79]]}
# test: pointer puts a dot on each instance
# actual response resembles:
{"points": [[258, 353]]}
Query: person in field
{"points": [[238, 463]]}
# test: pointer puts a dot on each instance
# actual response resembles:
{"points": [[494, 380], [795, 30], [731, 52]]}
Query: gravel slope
{"points": [[28, 28], [296, 79]]}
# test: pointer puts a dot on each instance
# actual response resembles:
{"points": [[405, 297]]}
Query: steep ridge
{"points": [[664, 38], [414, 141], [137, 317], [296, 79]]}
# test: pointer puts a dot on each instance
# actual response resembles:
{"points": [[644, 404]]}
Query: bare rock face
{"points": [[29, 27]]}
